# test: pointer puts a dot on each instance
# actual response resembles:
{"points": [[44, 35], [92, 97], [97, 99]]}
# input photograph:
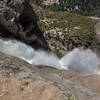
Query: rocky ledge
{"points": [[22, 81]]}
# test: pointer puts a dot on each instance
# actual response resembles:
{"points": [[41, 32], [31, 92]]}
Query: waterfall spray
{"points": [[84, 61]]}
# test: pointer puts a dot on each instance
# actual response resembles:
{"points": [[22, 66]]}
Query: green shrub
{"points": [[69, 96]]}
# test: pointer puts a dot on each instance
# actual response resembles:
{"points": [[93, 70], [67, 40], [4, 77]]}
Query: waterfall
{"points": [[84, 61]]}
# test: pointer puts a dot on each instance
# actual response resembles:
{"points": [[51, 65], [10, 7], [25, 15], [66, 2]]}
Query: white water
{"points": [[84, 61]]}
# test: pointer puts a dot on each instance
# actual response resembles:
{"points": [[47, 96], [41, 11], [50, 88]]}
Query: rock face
{"points": [[22, 81], [18, 20]]}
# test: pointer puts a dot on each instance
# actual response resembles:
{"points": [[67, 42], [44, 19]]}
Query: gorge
{"points": [[31, 67]]}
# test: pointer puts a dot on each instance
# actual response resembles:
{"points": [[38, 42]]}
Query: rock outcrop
{"points": [[22, 81], [18, 20]]}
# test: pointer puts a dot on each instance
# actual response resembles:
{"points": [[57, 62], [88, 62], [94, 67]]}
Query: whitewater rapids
{"points": [[84, 61]]}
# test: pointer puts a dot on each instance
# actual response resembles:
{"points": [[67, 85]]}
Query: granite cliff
{"points": [[22, 81]]}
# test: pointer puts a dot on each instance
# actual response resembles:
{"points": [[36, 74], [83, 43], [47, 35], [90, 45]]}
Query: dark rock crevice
{"points": [[18, 21]]}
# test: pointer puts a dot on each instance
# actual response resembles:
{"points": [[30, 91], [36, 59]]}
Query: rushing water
{"points": [[84, 61]]}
